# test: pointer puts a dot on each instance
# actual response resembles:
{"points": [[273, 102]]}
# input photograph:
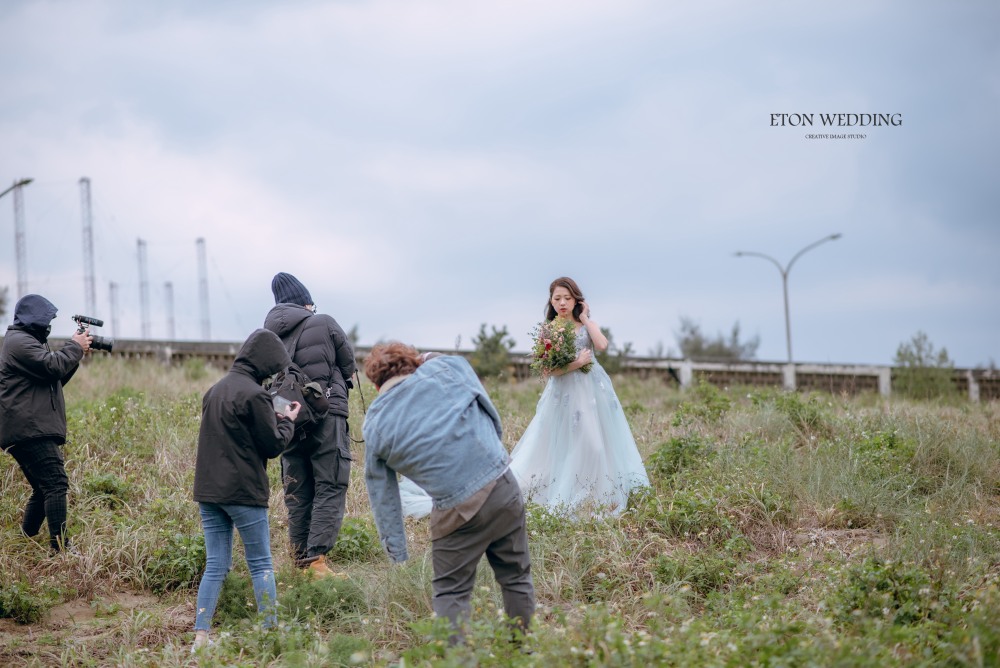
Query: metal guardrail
{"points": [[977, 384]]}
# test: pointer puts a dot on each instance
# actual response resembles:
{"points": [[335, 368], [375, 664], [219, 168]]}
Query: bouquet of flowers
{"points": [[554, 346]]}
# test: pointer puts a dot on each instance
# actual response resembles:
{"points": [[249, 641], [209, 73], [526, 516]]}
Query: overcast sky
{"points": [[428, 166]]}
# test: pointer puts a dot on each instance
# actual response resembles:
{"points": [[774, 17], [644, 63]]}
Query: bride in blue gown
{"points": [[578, 453]]}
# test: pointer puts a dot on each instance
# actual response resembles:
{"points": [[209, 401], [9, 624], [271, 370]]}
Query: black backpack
{"points": [[292, 384]]}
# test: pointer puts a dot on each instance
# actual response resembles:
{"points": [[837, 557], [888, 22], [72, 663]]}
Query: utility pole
{"points": [[143, 289], [19, 250], [203, 289], [89, 285]]}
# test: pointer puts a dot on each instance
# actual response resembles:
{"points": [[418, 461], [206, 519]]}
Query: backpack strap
{"points": [[293, 343]]}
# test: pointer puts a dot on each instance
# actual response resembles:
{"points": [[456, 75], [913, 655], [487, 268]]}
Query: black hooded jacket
{"points": [[239, 430], [323, 351], [32, 376]]}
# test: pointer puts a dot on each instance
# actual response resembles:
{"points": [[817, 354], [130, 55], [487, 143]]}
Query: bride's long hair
{"points": [[574, 292]]}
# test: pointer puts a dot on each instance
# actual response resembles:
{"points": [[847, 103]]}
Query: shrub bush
{"points": [[684, 514], [19, 603], [704, 571], [178, 562], [111, 490], [358, 542], [323, 600], [886, 590], [677, 454], [707, 403]]}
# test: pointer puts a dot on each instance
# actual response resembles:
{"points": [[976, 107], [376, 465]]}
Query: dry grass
{"points": [[783, 499]]}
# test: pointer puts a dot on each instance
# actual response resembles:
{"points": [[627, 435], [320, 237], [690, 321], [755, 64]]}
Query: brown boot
{"points": [[320, 569]]}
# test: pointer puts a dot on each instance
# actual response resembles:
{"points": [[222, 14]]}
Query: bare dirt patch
{"points": [[97, 626]]}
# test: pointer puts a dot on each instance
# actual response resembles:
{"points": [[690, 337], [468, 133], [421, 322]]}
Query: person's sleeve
{"points": [[345, 352], [32, 359], [383, 495], [271, 433], [69, 374]]}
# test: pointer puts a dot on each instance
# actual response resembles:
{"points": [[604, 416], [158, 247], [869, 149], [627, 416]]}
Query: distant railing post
{"points": [[788, 377], [885, 381], [687, 374], [973, 385]]}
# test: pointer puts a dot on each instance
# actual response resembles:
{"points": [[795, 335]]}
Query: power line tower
{"points": [[113, 300], [89, 286], [206, 334], [143, 289], [168, 295], [19, 247]]}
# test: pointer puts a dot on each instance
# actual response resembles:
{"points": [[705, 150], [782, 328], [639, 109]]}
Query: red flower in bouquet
{"points": [[554, 346]]}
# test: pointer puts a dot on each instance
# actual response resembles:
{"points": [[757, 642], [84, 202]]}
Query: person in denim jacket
{"points": [[434, 423]]}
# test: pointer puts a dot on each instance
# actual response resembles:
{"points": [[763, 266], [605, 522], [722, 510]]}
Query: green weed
{"points": [[358, 541], [177, 562], [20, 603], [676, 455]]}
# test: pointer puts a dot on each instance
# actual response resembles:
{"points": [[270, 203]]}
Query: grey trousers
{"points": [[498, 531]]}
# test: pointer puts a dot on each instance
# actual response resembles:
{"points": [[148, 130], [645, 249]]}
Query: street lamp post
{"points": [[22, 280], [17, 184], [784, 279]]}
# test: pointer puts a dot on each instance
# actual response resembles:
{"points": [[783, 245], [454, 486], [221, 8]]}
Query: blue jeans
{"points": [[217, 521]]}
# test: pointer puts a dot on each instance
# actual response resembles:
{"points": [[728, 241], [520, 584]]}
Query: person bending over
{"points": [[434, 423]]}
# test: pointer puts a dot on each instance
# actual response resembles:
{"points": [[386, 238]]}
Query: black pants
{"points": [[498, 531], [316, 472], [42, 464]]}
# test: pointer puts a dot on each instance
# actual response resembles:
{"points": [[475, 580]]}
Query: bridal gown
{"points": [[577, 453]]}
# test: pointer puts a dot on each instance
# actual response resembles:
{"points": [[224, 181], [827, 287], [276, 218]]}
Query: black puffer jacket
{"points": [[323, 352], [239, 430], [32, 376]]}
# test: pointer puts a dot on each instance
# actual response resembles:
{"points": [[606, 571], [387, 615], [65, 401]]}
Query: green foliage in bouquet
{"points": [[554, 346]]}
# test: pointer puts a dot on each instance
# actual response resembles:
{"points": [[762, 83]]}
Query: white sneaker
{"points": [[200, 640]]}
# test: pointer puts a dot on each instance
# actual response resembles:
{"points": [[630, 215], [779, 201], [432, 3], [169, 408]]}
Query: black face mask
{"points": [[40, 333]]}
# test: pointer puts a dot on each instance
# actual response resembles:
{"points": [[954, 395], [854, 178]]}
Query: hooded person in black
{"points": [[316, 468], [33, 410], [240, 430]]}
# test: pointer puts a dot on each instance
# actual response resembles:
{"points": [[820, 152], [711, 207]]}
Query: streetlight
{"points": [[22, 280], [784, 279], [17, 184]]}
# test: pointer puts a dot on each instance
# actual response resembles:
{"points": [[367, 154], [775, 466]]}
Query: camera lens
{"points": [[101, 343]]}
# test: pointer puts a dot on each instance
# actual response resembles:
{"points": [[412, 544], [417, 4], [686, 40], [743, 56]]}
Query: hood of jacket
{"points": [[34, 312], [262, 355], [283, 318]]}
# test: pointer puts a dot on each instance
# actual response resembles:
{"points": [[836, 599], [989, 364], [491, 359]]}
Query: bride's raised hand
{"points": [[584, 311]]}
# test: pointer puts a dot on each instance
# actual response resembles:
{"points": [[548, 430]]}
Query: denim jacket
{"points": [[437, 427]]}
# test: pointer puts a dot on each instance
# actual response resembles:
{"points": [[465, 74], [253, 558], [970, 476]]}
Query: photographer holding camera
{"points": [[33, 411]]}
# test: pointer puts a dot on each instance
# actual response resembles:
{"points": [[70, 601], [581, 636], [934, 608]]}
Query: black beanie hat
{"points": [[289, 290]]}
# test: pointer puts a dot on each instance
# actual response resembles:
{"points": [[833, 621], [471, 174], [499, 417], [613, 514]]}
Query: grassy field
{"points": [[782, 530]]}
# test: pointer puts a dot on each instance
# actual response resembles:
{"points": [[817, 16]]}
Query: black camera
{"points": [[97, 342]]}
